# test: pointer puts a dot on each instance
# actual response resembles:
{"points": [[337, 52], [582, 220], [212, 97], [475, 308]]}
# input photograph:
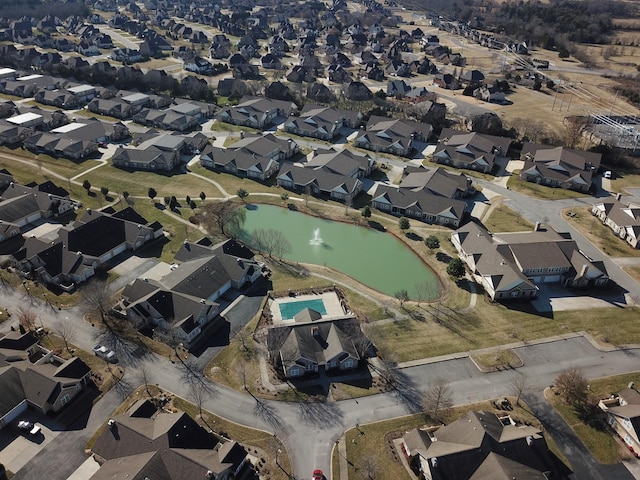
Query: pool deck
{"points": [[330, 300]]}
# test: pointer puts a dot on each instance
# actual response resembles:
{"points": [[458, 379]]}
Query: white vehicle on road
{"points": [[104, 353]]}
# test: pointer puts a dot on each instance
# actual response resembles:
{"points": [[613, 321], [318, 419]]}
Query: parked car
{"points": [[317, 475], [104, 353], [28, 427], [607, 174]]}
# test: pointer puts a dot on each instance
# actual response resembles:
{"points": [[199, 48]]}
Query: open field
{"points": [[599, 234], [495, 324]]}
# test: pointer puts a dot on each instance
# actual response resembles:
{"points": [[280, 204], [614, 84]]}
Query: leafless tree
{"points": [[97, 295], [271, 241], [222, 217], [438, 399], [574, 128], [370, 466], [65, 329], [27, 318], [145, 377], [200, 392], [572, 386], [519, 384], [425, 291]]}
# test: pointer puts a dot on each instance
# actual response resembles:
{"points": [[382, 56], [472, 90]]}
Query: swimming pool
{"points": [[289, 310]]}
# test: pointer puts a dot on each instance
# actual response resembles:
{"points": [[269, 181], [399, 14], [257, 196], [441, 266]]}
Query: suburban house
{"points": [[116, 108], [623, 416], [428, 195], [165, 119], [318, 181], [22, 206], [622, 218], [76, 140], [146, 442], [471, 150], [256, 112], [253, 156], [481, 445], [11, 134], [342, 162], [78, 249], [312, 344], [559, 167], [392, 136], [32, 376], [512, 265], [322, 122], [183, 299], [158, 153]]}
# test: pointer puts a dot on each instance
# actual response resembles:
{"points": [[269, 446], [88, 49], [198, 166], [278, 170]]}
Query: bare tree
{"points": [[425, 291], [223, 217], [145, 377], [97, 296], [574, 128], [65, 329], [518, 386], [200, 392], [370, 466], [27, 318], [572, 386], [438, 399], [271, 241]]}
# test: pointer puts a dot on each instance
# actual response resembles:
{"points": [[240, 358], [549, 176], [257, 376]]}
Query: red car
{"points": [[318, 475]]}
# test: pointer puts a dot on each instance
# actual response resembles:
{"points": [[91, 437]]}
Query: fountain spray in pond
{"points": [[316, 240]]}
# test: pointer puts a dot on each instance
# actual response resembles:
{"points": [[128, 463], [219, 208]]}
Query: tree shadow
{"points": [[319, 413], [443, 257], [377, 226], [414, 236]]}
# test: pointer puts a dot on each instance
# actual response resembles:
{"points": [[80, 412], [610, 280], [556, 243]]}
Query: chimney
{"points": [[537, 227], [618, 196], [584, 270]]}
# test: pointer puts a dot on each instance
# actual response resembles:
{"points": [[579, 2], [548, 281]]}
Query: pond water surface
{"points": [[376, 259]]}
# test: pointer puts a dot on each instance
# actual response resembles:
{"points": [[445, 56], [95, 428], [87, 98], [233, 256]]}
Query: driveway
{"points": [[129, 267], [582, 462]]}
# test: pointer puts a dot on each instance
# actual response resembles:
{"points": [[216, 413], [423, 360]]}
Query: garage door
{"points": [[552, 279], [13, 415], [536, 279]]}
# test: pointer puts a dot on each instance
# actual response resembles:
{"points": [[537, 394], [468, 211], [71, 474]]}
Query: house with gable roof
{"points": [[512, 265], [471, 150], [622, 218], [184, 300], [428, 195], [146, 442], [623, 416], [559, 167], [256, 112], [481, 445], [319, 182], [392, 136], [32, 376], [322, 122], [253, 156]]}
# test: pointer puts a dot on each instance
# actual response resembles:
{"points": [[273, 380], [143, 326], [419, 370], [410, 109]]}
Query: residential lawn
{"points": [[38, 291], [504, 219], [599, 234], [494, 324], [634, 272], [623, 179], [374, 440], [465, 171], [599, 441], [219, 126], [540, 191], [231, 183], [137, 183], [61, 166]]}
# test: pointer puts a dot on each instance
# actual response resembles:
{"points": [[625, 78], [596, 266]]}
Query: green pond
{"points": [[376, 259]]}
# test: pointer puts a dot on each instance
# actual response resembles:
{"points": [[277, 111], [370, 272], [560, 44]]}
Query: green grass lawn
{"points": [[599, 234], [494, 324], [232, 183], [137, 183], [540, 191], [503, 219], [62, 166]]}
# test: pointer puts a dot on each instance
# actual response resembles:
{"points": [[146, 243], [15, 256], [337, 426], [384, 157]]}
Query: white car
{"points": [[104, 353], [607, 174], [29, 427]]}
